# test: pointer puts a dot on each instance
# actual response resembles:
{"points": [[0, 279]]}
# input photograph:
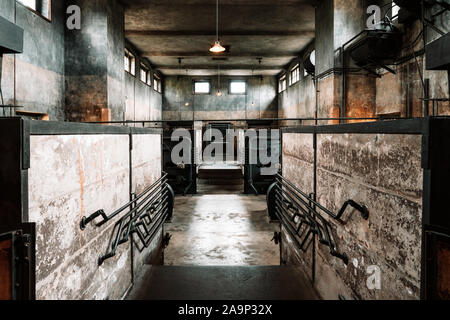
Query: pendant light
{"points": [[253, 97], [217, 47], [187, 104]]}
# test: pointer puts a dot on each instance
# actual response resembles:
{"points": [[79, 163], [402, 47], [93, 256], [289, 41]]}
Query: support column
{"points": [[94, 63], [354, 95]]}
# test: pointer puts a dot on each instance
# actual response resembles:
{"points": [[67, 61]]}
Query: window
{"points": [[202, 87], [295, 75], [282, 84], [157, 83], [130, 62], [42, 8], [238, 87], [145, 75], [395, 11]]}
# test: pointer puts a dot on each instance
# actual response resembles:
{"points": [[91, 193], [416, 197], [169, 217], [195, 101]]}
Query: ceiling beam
{"points": [[178, 33], [205, 53], [222, 67]]}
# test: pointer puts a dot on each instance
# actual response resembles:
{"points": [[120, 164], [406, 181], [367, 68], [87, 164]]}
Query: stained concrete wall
{"points": [[35, 78], [299, 99], [142, 102], [74, 176], [384, 173], [259, 102]]}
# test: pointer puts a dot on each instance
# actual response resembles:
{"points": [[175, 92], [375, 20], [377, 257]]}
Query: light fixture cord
{"points": [[217, 20]]}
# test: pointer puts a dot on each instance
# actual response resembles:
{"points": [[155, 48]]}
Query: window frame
{"points": [[294, 69], [157, 86], [237, 93], [48, 19], [148, 80], [201, 81], [396, 7], [129, 54], [282, 79]]}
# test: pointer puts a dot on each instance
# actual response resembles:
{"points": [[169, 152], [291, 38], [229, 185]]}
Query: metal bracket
{"points": [[86, 220], [361, 208], [166, 240], [276, 237]]}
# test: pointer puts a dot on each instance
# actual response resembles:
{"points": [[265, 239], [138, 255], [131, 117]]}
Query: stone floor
{"points": [[221, 230]]}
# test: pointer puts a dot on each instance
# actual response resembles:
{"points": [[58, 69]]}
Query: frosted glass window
{"points": [[202, 87], [238, 87]]}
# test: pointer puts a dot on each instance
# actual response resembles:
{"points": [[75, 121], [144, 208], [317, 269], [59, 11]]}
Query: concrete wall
{"points": [[259, 102], [74, 176], [146, 159], [35, 78], [142, 102], [381, 171], [299, 99]]}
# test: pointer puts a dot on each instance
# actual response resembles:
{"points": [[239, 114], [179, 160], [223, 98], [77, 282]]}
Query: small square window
{"points": [[145, 75], [395, 11], [238, 87], [157, 83], [43, 8], [130, 62], [295, 75], [202, 87], [282, 84]]}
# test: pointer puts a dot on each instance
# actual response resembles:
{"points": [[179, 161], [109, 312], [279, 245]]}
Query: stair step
{"points": [[222, 283]]}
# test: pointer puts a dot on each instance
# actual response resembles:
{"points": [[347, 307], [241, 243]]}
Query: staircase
{"points": [[220, 179], [222, 283]]}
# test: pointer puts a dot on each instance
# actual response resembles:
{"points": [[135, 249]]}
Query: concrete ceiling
{"points": [[274, 30]]}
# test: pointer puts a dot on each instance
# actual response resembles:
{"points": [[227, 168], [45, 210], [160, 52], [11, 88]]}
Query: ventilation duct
{"points": [[410, 10], [379, 47]]}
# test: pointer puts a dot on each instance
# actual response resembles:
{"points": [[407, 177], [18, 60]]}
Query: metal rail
{"points": [[144, 122], [303, 217], [146, 213]]}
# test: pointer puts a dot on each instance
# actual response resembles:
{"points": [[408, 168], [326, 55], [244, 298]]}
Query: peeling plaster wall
{"points": [[74, 176], [381, 171], [259, 102], [35, 78]]}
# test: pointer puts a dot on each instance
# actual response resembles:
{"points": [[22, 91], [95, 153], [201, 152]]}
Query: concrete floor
{"points": [[221, 230]]}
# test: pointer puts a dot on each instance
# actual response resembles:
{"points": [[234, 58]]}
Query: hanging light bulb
{"points": [[187, 104], [253, 101], [217, 47]]}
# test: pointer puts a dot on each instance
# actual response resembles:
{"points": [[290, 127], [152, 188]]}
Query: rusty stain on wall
{"points": [[66, 258]]}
